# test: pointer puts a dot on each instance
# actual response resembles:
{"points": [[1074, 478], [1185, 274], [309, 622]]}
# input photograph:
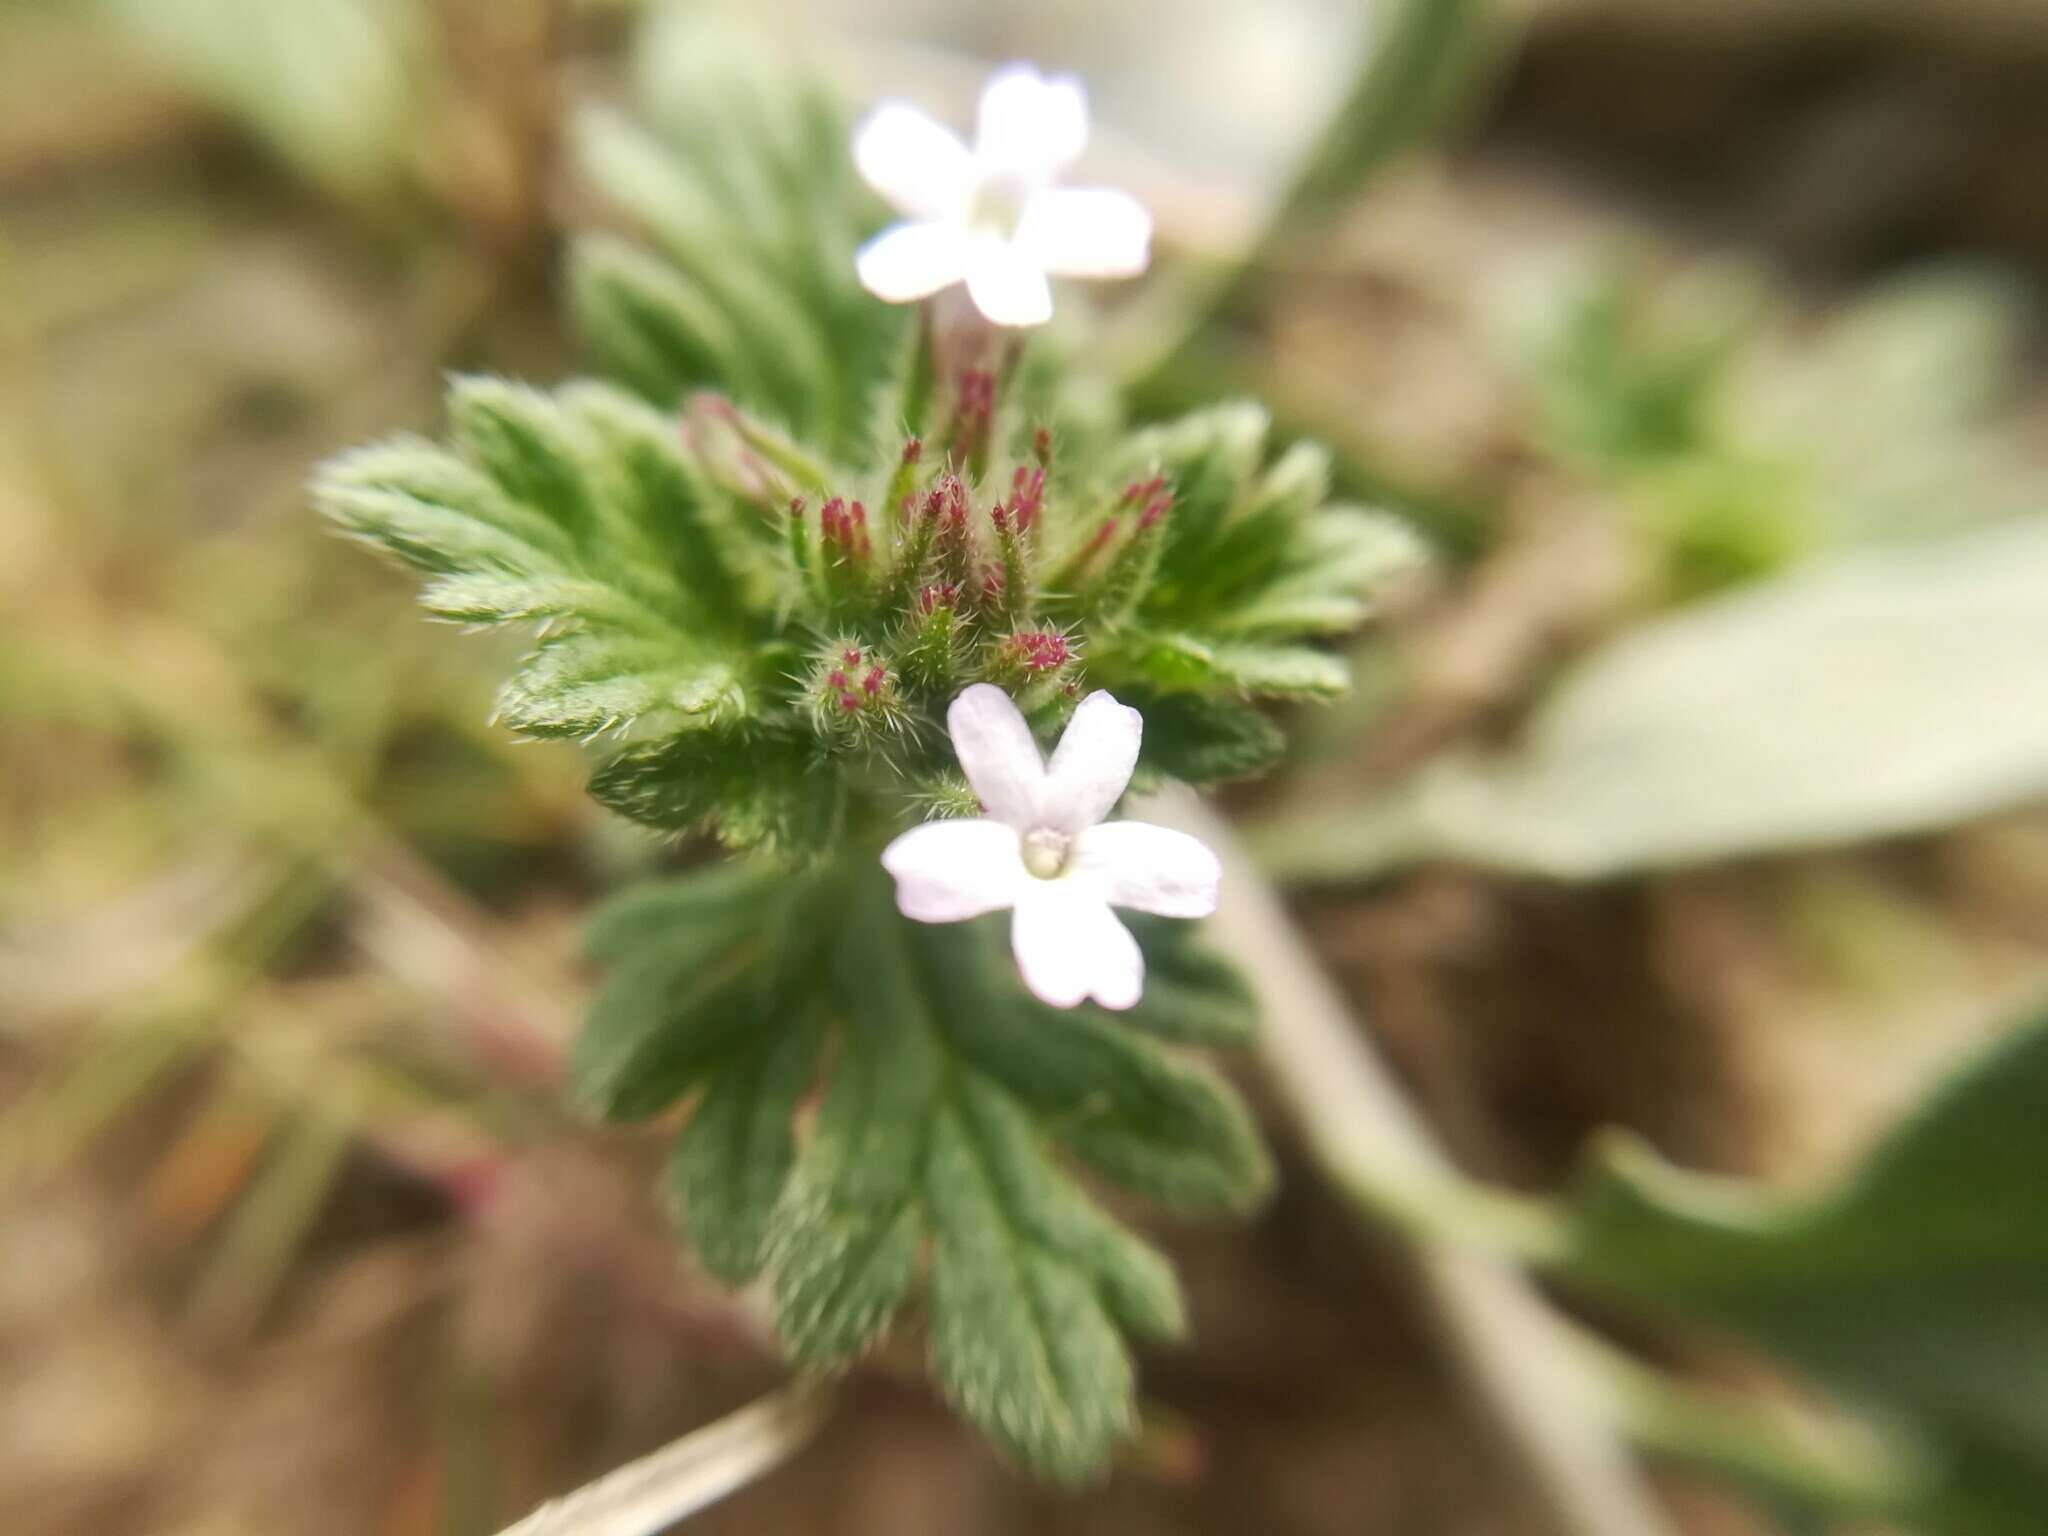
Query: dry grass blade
{"points": [[650, 1495]]}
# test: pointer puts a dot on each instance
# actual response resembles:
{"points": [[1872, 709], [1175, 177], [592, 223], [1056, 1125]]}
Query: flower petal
{"points": [[1092, 765], [1006, 285], [947, 871], [1087, 232], [918, 164], [1070, 946], [1153, 869], [1030, 124], [912, 261], [998, 755]]}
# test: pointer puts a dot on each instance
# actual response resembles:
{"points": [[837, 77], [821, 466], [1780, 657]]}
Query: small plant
{"points": [[820, 575]]}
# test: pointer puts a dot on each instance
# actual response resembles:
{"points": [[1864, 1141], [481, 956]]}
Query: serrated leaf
{"points": [[664, 1019], [1192, 994], [1209, 458], [846, 1236], [756, 789], [1159, 1123], [731, 1162], [1185, 662], [1021, 1342], [650, 326], [706, 910], [583, 685], [494, 597], [1205, 740], [520, 439], [1046, 1208], [669, 512], [795, 374], [918, 1145], [1331, 573], [1917, 1285], [432, 510]]}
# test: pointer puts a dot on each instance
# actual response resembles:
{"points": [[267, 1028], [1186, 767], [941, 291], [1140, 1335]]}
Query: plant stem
{"points": [[648, 1496], [1519, 1358]]}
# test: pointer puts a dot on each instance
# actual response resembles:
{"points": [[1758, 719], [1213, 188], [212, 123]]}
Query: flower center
{"points": [[998, 204], [1045, 852]]}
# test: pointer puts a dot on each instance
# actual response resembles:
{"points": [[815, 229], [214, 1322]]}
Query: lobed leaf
{"points": [[729, 1164]]}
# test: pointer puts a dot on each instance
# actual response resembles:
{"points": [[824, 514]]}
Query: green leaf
{"points": [[1021, 1342], [1192, 994], [755, 789], [665, 1019], [519, 438], [669, 514], [650, 326], [1205, 740], [729, 1165], [1876, 694], [1186, 662], [847, 1233], [1916, 1286], [1332, 570], [1155, 1121], [790, 372], [582, 685], [707, 908], [337, 88], [436, 512], [923, 1144]]}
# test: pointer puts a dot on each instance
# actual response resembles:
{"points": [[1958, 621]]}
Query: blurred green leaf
{"points": [[1916, 1286], [1740, 442], [333, 86], [1880, 693]]}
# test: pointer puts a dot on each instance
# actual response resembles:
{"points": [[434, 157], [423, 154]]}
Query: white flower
{"points": [[1045, 853], [992, 216]]}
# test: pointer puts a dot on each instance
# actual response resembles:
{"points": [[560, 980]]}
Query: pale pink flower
{"points": [[994, 216], [1044, 853]]}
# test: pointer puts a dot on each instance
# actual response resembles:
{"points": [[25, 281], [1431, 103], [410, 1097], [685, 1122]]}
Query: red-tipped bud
{"points": [[837, 681], [1142, 491], [1027, 496], [872, 683], [941, 595], [850, 703], [851, 655], [977, 391], [1041, 447], [1155, 509], [1038, 650], [913, 450]]}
